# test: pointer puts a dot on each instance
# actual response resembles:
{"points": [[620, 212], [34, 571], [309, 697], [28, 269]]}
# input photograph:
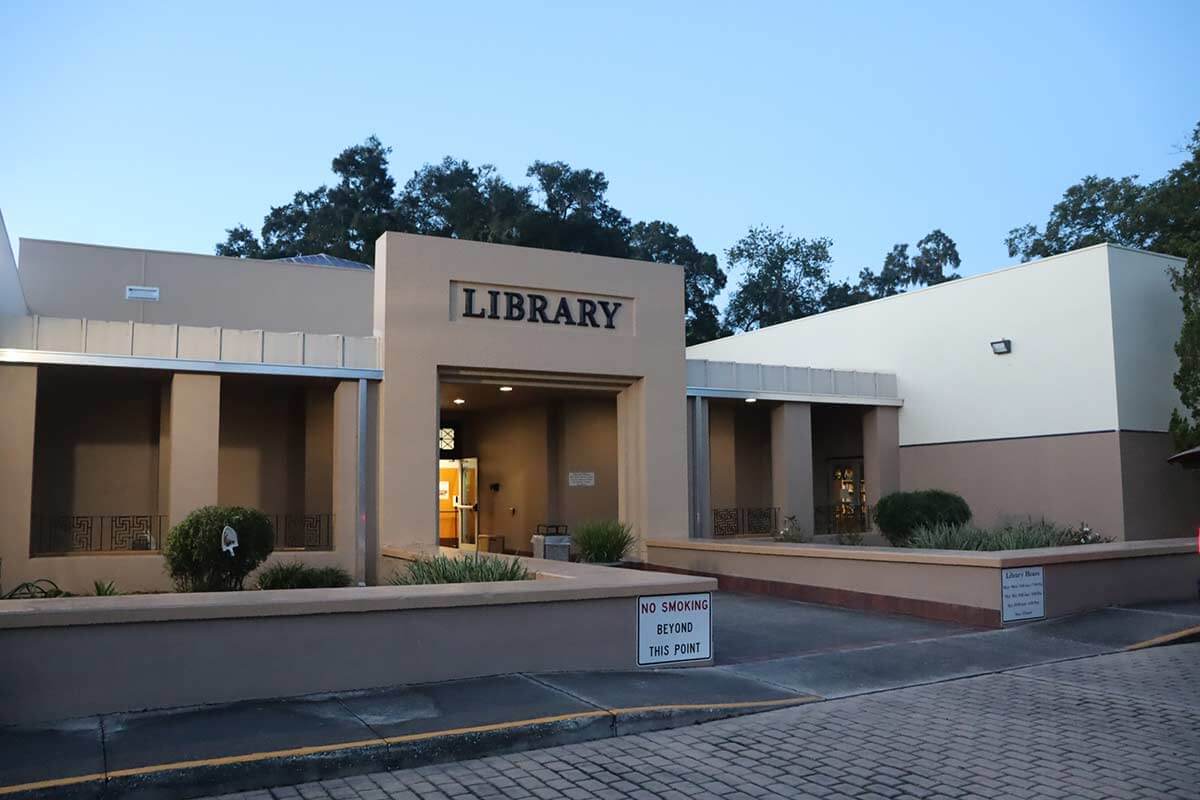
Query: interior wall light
{"points": [[506, 388], [458, 401], [1002, 347]]}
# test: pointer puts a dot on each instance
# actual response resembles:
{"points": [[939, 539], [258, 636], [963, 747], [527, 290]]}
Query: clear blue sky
{"points": [[162, 124]]}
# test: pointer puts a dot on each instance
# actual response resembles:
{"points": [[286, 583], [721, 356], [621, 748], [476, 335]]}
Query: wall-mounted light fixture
{"points": [[751, 399], [458, 401], [1002, 347], [506, 388]]}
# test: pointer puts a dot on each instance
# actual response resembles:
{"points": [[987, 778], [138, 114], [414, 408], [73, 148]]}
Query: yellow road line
{"points": [[1165, 638], [386, 740]]}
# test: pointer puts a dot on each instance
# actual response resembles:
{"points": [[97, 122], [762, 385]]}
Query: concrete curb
{"points": [[299, 765]]}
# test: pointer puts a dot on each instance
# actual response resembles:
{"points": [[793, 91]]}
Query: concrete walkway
{"points": [[1123, 725], [772, 654]]}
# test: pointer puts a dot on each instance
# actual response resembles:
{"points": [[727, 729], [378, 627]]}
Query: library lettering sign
{"points": [[536, 307], [674, 628]]}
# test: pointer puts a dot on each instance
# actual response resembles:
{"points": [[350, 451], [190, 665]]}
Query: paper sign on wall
{"points": [[443, 490], [581, 479], [673, 628], [1022, 594], [142, 293]]}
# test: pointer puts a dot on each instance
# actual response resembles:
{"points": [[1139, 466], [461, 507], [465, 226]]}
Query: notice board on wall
{"points": [[581, 479], [1022, 594]]}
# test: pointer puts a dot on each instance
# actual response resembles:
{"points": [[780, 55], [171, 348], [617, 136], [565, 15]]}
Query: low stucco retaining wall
{"points": [[73, 657], [940, 584]]}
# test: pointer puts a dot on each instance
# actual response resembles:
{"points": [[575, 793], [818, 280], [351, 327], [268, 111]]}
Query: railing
{"points": [[749, 521], [75, 534], [842, 519], [303, 531]]}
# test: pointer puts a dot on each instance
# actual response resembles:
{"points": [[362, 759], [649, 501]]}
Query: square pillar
{"points": [[881, 452], [349, 540], [792, 463], [18, 409], [699, 511], [195, 431]]}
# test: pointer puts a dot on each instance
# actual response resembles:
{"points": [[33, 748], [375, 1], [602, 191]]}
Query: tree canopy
{"points": [[1161, 215], [564, 208], [786, 277]]}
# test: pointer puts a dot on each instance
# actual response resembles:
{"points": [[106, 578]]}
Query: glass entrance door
{"points": [[848, 495], [458, 502], [467, 503]]}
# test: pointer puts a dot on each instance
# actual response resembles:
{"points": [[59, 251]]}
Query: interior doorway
{"points": [[522, 453]]}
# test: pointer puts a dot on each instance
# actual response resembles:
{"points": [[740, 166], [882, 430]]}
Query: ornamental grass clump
{"points": [[466, 569], [603, 542], [1024, 535], [294, 575]]}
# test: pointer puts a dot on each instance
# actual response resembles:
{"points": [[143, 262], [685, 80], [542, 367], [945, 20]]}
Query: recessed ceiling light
{"points": [[751, 399], [506, 388], [458, 401]]}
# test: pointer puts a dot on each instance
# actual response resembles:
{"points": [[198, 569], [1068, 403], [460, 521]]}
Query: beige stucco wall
{"points": [[586, 437], [194, 289], [511, 448], [423, 327], [1160, 499], [97, 442], [1065, 479], [722, 456]]}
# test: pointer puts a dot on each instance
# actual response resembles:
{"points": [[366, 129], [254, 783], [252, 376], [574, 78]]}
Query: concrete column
{"points": [[700, 513], [881, 452], [631, 463], [350, 551], [18, 410], [792, 463], [192, 474]]}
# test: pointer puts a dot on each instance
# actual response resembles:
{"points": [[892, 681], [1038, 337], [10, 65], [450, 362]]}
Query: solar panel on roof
{"points": [[325, 260]]}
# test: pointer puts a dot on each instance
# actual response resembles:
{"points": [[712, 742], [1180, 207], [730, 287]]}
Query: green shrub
{"points": [[900, 513], [195, 560], [602, 542], [105, 588], [295, 575], [1012, 536], [467, 569]]}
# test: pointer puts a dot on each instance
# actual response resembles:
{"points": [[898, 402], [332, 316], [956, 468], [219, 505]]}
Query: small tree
{"points": [[1185, 428], [195, 558]]}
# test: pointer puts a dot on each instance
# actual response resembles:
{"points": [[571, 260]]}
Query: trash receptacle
{"points": [[554, 548]]}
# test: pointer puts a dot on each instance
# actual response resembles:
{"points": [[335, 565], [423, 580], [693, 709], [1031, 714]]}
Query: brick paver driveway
{"points": [[1125, 725]]}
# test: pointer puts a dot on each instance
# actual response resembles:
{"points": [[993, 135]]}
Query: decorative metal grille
{"points": [[761, 521], [726, 521], [750, 521], [74, 534], [303, 531]]}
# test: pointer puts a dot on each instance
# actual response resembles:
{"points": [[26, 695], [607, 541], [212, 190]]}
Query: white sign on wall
{"points": [[581, 479], [1022, 594], [674, 628], [142, 293]]}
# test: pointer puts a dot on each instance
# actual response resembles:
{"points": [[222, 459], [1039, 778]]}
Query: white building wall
{"points": [[1147, 318], [12, 300], [1060, 377]]}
